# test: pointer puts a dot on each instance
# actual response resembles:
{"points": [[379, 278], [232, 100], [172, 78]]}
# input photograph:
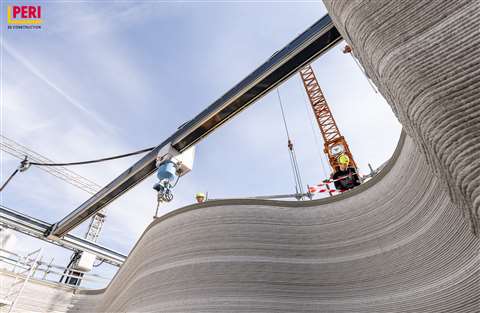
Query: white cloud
{"points": [[38, 73]]}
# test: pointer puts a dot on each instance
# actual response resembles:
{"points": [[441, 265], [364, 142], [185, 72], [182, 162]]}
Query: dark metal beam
{"points": [[36, 228], [284, 63]]}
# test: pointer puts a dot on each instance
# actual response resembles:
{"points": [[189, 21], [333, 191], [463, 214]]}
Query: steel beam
{"points": [[36, 228], [284, 63]]}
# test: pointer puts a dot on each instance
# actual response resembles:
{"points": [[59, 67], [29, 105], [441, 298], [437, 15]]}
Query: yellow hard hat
{"points": [[200, 195], [343, 159]]}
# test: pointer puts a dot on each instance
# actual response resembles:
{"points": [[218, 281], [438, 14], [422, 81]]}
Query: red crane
{"points": [[334, 143]]}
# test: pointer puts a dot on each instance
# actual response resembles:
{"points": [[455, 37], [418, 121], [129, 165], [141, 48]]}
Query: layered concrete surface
{"points": [[423, 56], [395, 244]]}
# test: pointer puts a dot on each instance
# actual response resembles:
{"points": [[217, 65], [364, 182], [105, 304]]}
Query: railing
{"points": [[23, 269], [12, 263], [315, 190]]}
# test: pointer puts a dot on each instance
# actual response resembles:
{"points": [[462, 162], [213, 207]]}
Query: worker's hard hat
{"points": [[343, 159], [200, 195]]}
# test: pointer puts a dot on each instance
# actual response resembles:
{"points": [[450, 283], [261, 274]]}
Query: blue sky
{"points": [[105, 78]]}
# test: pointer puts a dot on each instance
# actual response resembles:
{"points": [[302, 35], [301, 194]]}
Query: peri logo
{"points": [[24, 15]]}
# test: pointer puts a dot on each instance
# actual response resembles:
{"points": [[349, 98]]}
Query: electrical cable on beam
{"points": [[96, 160]]}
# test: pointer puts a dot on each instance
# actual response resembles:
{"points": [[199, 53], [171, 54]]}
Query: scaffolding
{"points": [[22, 269]]}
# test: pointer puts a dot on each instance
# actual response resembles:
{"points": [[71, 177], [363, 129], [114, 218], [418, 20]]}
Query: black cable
{"points": [[94, 161], [8, 180], [176, 182], [97, 265]]}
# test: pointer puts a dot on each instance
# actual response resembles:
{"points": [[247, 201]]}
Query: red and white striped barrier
{"points": [[320, 189], [323, 186]]}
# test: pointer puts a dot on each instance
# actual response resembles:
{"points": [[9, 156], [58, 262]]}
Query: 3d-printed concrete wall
{"points": [[423, 56], [394, 244]]}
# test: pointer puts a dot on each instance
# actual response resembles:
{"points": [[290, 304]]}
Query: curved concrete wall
{"points": [[423, 56], [395, 244]]}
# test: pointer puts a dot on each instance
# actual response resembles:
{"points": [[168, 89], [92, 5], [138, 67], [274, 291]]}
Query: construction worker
{"points": [[347, 49], [346, 174], [200, 196]]}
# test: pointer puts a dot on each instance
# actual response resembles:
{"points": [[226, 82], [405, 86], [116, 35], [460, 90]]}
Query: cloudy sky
{"points": [[106, 78]]}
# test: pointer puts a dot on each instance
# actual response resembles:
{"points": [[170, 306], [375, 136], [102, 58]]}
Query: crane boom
{"points": [[334, 142]]}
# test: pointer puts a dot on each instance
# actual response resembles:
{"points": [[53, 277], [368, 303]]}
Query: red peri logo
{"points": [[24, 15]]}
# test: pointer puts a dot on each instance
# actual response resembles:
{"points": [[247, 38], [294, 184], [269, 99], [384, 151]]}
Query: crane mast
{"points": [[334, 143]]}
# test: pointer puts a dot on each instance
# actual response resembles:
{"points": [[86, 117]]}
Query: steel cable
{"points": [[293, 158]]}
